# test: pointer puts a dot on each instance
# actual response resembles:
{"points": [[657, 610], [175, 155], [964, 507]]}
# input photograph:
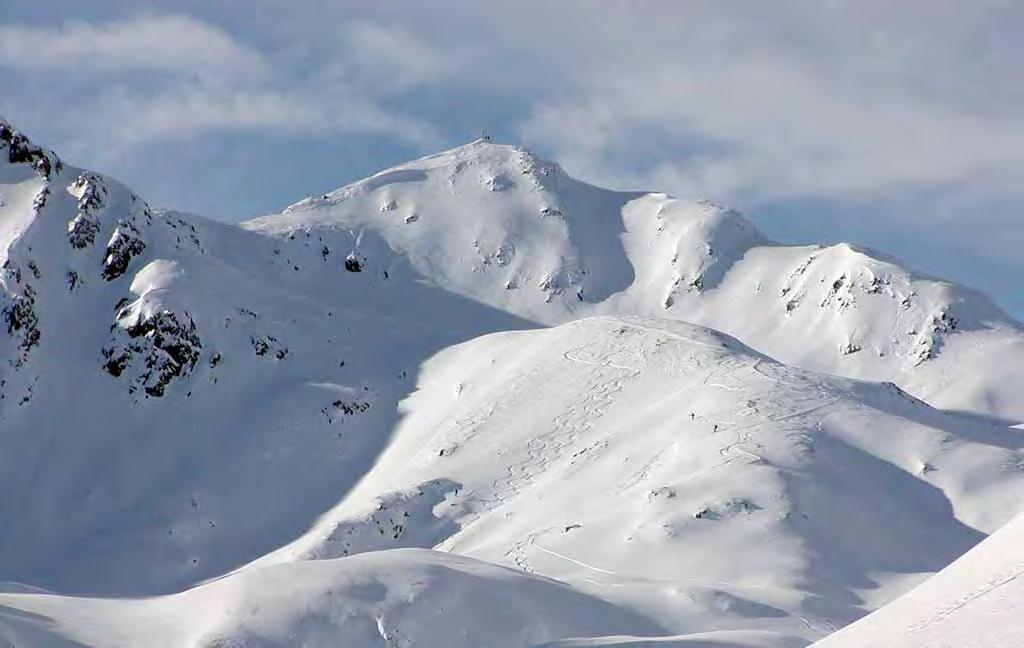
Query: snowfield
{"points": [[973, 603], [471, 401], [406, 597]]}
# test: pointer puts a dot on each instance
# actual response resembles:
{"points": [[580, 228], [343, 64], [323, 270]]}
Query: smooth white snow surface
{"points": [[402, 598], [976, 602], [353, 423]]}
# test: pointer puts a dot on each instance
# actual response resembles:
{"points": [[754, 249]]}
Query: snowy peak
{"points": [[684, 247], [497, 224], [491, 221], [495, 167]]}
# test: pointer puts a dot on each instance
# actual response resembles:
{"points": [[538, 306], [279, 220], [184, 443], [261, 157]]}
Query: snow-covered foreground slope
{"points": [[673, 471], [403, 598], [499, 225], [288, 401], [784, 507], [977, 602]]}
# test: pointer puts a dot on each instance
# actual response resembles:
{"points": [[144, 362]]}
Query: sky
{"points": [[894, 125]]}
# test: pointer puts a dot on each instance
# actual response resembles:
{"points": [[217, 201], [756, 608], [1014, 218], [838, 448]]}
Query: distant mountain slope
{"points": [[670, 470], [497, 224], [976, 602]]}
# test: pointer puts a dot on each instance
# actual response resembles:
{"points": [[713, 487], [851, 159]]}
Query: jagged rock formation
{"points": [[160, 346]]}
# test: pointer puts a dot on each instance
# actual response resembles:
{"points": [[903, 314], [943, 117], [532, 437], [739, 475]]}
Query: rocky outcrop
{"points": [[125, 244], [21, 151], [930, 339], [151, 349], [19, 314], [353, 264], [90, 191]]}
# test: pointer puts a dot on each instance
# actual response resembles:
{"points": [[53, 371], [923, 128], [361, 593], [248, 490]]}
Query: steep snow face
{"points": [[977, 602], [496, 224], [671, 470], [162, 376], [399, 599]]}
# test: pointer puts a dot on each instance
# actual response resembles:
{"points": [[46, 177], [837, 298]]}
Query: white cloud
{"points": [[208, 81], [736, 108], [187, 111], [164, 43], [393, 57]]}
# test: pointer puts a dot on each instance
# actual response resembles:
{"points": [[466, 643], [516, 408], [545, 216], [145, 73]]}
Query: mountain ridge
{"points": [[526, 245]]}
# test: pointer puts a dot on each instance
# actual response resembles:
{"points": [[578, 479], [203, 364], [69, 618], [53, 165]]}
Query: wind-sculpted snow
{"points": [[182, 400]]}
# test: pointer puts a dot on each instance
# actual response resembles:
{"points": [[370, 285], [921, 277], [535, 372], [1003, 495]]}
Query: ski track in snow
{"points": [[540, 453]]}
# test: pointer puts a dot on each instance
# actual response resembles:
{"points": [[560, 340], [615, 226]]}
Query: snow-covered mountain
{"points": [[302, 406], [499, 225]]}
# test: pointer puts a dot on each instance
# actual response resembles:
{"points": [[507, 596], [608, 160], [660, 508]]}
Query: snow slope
{"points": [[673, 471], [162, 375], [976, 602], [497, 224], [397, 599], [289, 401], [813, 500]]}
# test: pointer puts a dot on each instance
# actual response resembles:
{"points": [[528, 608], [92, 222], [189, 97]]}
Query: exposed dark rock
{"points": [[23, 322], [160, 347], [82, 231], [91, 193], [352, 264], [266, 343], [21, 151], [350, 407], [260, 346], [125, 244]]}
